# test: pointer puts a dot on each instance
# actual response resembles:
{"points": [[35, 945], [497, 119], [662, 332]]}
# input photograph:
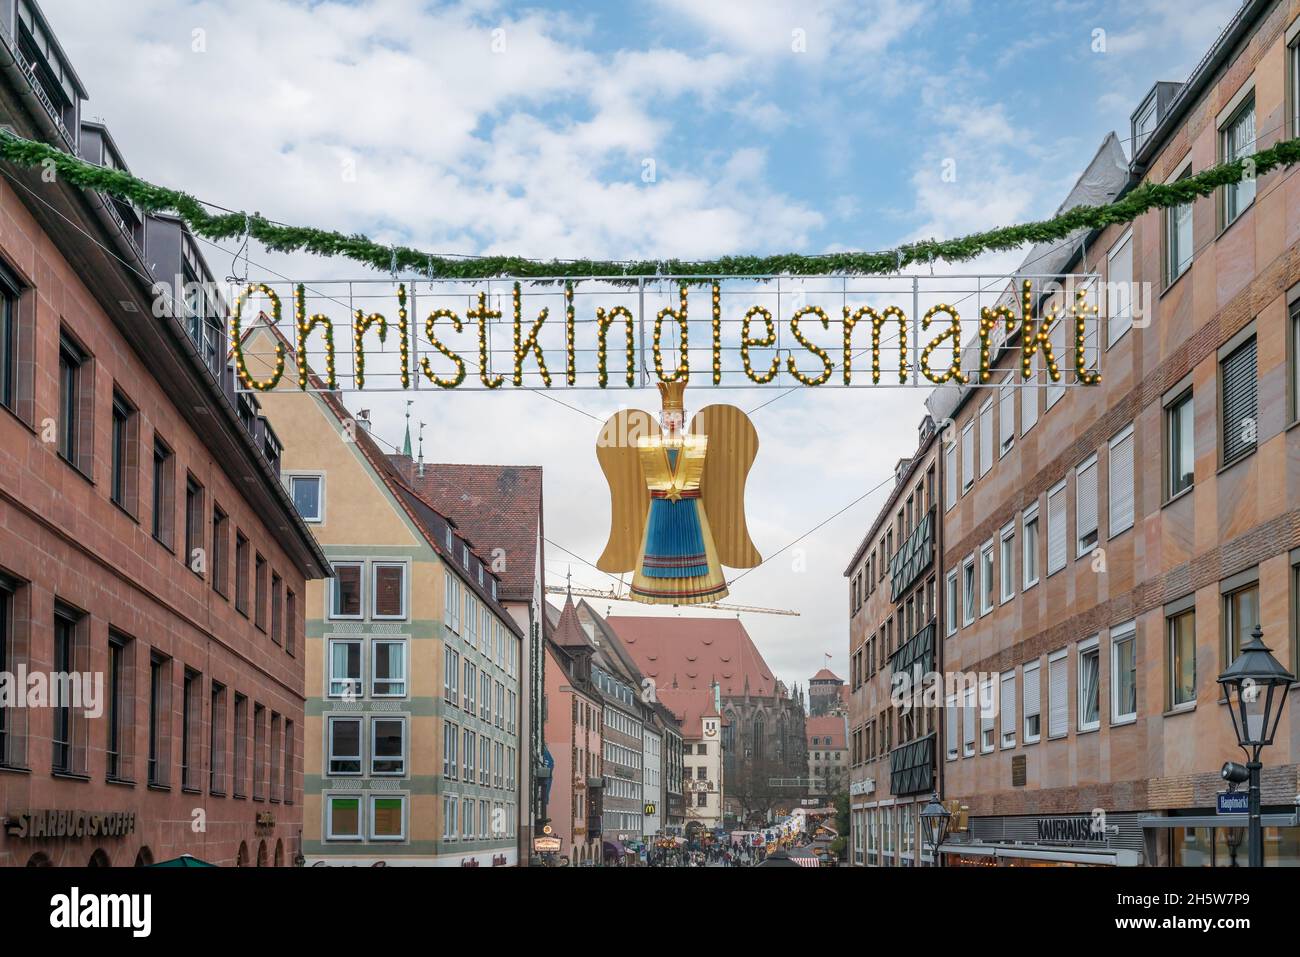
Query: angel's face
{"points": [[673, 420]]}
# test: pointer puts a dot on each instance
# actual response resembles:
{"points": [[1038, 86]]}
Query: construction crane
{"points": [[612, 594]]}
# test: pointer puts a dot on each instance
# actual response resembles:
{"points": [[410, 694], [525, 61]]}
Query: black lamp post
{"points": [[934, 823], [1256, 686]]}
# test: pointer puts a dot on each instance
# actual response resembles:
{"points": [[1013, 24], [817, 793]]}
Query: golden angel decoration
{"points": [[677, 499]]}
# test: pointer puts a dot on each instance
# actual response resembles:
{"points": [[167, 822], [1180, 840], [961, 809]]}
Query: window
{"points": [[968, 591], [1180, 448], [467, 749], [484, 760], [9, 292], [241, 572], [259, 752], [288, 762], [485, 696], [1121, 482], [1241, 615], [1182, 658], [950, 605], [125, 464], [120, 725], [305, 490], [1033, 703], [1007, 709], [191, 723], [345, 590], [220, 552], [164, 491], [1006, 416], [1237, 141], [1295, 356], [1119, 291], [195, 514], [344, 745], [389, 667], [967, 457], [1085, 506], [343, 818], [986, 578], [1293, 84], [1029, 551], [1123, 673], [451, 601], [388, 746], [241, 746], [1056, 528], [387, 818], [1178, 236], [69, 722], [1239, 401], [467, 818], [471, 679], [389, 599], [1058, 695], [260, 585], [276, 723], [986, 716], [217, 741], [345, 668], [277, 608], [76, 396], [450, 675], [159, 723], [968, 723], [450, 742], [1089, 685], [949, 475], [1007, 554], [986, 437]]}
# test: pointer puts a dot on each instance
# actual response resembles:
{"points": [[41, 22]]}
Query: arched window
{"points": [[242, 859], [39, 859], [759, 742], [144, 858], [99, 859], [261, 854]]}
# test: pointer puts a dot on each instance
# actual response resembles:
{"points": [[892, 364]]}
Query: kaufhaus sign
{"points": [[34, 824]]}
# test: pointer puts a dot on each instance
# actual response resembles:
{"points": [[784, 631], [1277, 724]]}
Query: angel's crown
{"points": [[671, 394]]}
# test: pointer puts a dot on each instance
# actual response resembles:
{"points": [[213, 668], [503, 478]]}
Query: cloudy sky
{"points": [[486, 127]]}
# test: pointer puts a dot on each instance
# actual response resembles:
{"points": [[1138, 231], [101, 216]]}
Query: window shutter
{"points": [[1119, 291], [1085, 505], [967, 457], [1033, 693], [1029, 404], [1058, 696], [950, 475], [1121, 482], [986, 720], [950, 728], [1008, 704], [986, 437], [1006, 417], [1056, 529], [1240, 402]]}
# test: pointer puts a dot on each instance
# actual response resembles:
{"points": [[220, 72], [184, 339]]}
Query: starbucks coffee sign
{"points": [[35, 824]]}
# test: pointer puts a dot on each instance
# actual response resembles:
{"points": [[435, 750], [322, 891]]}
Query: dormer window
{"points": [[464, 555], [1144, 124]]}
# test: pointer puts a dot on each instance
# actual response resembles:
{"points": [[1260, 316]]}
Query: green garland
{"points": [[216, 227]]}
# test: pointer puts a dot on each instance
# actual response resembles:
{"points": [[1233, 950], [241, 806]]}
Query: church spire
{"points": [[406, 445]]}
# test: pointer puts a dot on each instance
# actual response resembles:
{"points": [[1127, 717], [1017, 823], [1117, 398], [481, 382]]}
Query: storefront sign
{"points": [[546, 845], [1070, 830], [1233, 802], [30, 825]]}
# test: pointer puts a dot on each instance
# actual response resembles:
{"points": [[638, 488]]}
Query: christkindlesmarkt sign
{"points": [[498, 334]]}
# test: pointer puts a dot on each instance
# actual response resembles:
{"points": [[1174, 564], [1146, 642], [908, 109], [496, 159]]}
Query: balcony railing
{"points": [[919, 649], [913, 557], [38, 89], [911, 767]]}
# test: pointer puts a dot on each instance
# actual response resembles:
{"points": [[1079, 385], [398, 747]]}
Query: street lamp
{"points": [[1255, 685], [934, 823]]}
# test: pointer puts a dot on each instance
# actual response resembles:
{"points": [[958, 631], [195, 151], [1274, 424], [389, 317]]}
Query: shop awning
{"points": [[1117, 857], [185, 860]]}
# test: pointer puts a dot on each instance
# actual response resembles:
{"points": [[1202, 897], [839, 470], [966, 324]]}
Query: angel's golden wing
{"points": [[629, 499], [733, 445]]}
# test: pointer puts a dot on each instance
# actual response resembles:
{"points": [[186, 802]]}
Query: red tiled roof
{"points": [[830, 726], [568, 631], [826, 675], [496, 506], [691, 706], [693, 652]]}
